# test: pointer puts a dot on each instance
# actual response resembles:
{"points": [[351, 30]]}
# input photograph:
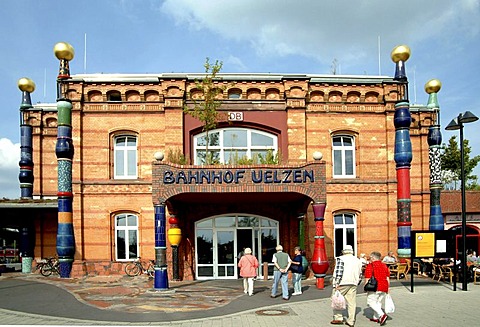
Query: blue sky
{"points": [[258, 36]]}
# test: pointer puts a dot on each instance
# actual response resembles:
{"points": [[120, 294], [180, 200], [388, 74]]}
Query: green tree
{"points": [[205, 108], [451, 161]]}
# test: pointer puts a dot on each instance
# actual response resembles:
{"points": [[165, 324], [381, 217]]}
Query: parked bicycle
{"points": [[48, 266], [138, 267]]}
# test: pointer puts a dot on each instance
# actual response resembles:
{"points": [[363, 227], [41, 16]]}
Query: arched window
{"points": [[125, 157], [345, 227], [230, 145], [126, 237], [114, 96], [343, 154]]}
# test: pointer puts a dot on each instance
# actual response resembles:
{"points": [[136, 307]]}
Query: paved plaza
{"points": [[30, 299]]}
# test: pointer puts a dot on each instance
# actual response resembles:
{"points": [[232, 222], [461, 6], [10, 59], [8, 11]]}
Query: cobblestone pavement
{"points": [[30, 299]]}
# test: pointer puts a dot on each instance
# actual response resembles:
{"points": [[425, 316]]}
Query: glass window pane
{"points": [[351, 237], [225, 252], [349, 219], [261, 139], [121, 220], [205, 246], [120, 141], [131, 141], [221, 271], [132, 220], [337, 141], [225, 222], [121, 245], [233, 156], [347, 141], [269, 242], [338, 219], [132, 244], [338, 241], [201, 140], [132, 162], [349, 162], [205, 271], [119, 164], [205, 223], [337, 162], [268, 223], [235, 138], [213, 138], [247, 221]]}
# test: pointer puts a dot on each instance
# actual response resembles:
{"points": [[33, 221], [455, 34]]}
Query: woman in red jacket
{"points": [[248, 265], [382, 275]]}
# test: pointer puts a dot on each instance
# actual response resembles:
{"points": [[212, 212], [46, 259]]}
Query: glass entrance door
{"points": [[220, 242], [226, 263]]}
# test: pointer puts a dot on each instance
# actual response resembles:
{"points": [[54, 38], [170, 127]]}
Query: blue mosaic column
{"points": [[26, 176], [403, 152], [434, 154], [161, 273], [64, 151]]}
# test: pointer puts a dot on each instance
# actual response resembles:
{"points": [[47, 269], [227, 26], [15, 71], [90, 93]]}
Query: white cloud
{"points": [[342, 29], [9, 169]]}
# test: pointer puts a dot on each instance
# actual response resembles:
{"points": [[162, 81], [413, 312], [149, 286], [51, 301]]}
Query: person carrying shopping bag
{"points": [[374, 299]]}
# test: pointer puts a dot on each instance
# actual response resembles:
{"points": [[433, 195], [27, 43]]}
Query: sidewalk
{"points": [[119, 300]]}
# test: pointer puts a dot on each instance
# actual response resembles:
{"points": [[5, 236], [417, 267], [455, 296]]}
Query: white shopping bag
{"points": [[389, 305]]}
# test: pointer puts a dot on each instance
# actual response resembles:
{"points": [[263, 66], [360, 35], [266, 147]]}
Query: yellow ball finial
{"points": [[400, 53], [25, 84], [433, 86], [64, 50]]}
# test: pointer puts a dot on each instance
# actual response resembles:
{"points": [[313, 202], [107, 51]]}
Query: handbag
{"points": [[338, 301], [389, 305], [372, 284]]}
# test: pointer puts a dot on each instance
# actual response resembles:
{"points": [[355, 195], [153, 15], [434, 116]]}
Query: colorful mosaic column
{"points": [[25, 177], [161, 273], [319, 261], [64, 151], [434, 142], [403, 152]]}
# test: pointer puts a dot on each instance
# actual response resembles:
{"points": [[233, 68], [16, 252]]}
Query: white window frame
{"points": [[126, 149], [344, 227], [221, 149], [127, 229], [343, 149]]}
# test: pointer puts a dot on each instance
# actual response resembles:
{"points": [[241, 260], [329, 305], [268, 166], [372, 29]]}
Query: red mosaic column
{"points": [[319, 261]]}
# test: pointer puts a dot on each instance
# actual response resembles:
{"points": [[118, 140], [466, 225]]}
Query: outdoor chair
{"points": [[399, 271], [445, 273]]}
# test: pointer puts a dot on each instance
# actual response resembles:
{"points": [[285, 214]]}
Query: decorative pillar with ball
{"points": [[319, 262], [403, 151], [434, 152], [174, 237], [64, 150], [25, 177]]}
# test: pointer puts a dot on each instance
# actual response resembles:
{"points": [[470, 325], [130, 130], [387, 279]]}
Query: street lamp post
{"points": [[457, 123]]}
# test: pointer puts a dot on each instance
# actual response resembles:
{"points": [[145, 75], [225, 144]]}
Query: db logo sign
{"points": [[235, 116]]}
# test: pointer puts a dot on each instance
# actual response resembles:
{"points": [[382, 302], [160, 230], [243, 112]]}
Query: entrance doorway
{"points": [[220, 241]]}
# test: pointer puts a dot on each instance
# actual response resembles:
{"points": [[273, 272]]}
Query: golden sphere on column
{"points": [[433, 86], [25, 84], [64, 50], [400, 53]]}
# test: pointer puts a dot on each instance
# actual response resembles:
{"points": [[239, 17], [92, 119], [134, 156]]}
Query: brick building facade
{"points": [[121, 122]]}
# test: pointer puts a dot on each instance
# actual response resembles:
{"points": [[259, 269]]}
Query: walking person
{"points": [[248, 265], [346, 277], [281, 261], [297, 271], [381, 272]]}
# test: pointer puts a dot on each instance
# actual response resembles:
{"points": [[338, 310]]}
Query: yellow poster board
{"points": [[425, 245]]}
